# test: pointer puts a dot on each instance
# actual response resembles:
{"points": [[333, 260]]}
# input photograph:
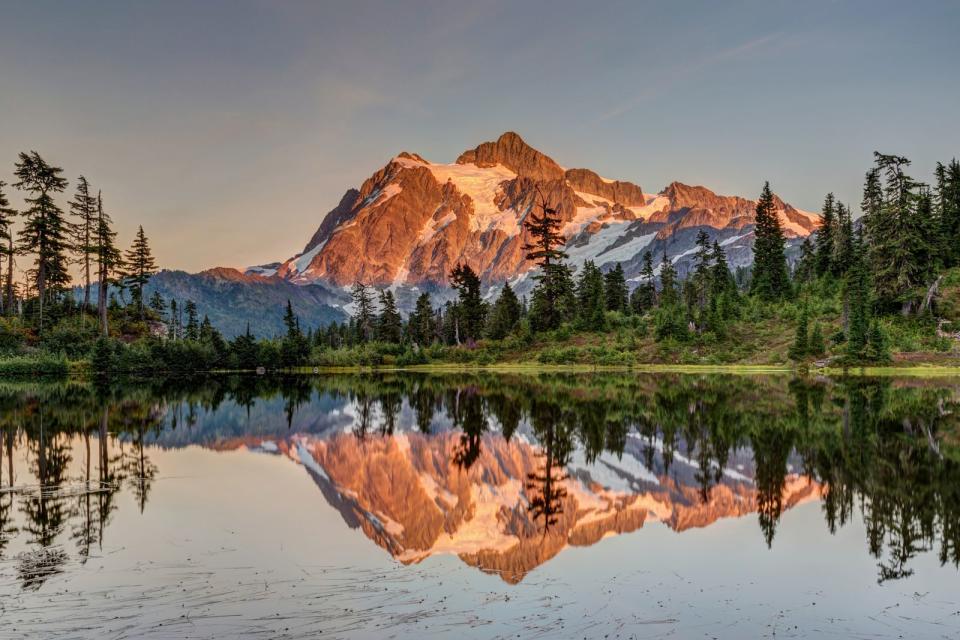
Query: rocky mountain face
{"points": [[413, 220], [408, 495], [410, 223]]}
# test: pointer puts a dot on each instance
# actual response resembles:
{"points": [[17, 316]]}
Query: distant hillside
{"points": [[232, 299]]}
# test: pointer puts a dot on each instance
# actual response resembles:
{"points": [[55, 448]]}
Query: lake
{"points": [[481, 505]]}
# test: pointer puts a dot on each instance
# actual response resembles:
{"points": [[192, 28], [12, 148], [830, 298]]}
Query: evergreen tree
{"points": [[591, 300], [363, 312], [857, 302], [644, 297], [817, 345], [173, 324], [420, 326], [140, 268], [7, 214], [294, 348], [553, 293], [806, 267], [192, 328], [504, 315], [669, 295], [615, 290], [825, 237], [109, 262], [245, 350], [45, 232], [472, 310], [843, 241], [801, 342], [84, 210], [895, 228], [876, 349], [389, 322], [948, 202], [770, 277], [157, 304]]}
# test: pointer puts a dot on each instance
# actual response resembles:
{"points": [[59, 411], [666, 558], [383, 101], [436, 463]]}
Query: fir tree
{"points": [[245, 349], [825, 237], [45, 232], [669, 295], [472, 310], [420, 326], [857, 302], [192, 328], [109, 262], [7, 214], [801, 342], [363, 312], [644, 297], [158, 304], [591, 301], [876, 349], [140, 268], [504, 315], [817, 345], [84, 210], [806, 267], [615, 290], [770, 277], [554, 289], [389, 322]]}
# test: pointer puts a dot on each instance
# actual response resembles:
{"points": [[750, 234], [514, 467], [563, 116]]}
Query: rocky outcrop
{"points": [[513, 153], [413, 220]]}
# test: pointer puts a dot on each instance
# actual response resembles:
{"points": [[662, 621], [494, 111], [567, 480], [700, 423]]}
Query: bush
{"points": [[42, 364]]}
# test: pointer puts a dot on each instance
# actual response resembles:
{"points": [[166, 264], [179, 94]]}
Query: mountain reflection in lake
{"points": [[192, 509]]}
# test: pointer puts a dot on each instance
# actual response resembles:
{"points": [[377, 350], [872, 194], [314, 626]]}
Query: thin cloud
{"points": [[675, 76]]}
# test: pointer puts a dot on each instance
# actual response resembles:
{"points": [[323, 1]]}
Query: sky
{"points": [[229, 129]]}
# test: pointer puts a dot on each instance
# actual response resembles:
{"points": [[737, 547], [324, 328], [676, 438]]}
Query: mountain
{"points": [[233, 299], [413, 220]]}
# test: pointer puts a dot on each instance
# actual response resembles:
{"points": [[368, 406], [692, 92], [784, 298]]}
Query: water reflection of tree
{"points": [[545, 490]]}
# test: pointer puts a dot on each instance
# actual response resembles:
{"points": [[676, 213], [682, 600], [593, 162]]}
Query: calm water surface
{"points": [[481, 506]]}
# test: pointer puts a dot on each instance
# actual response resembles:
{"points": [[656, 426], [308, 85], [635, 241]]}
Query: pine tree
{"points": [[948, 203], [669, 295], [553, 293], [420, 326], [173, 326], [140, 268], [825, 237], [817, 345], [644, 297], [806, 267], [801, 342], [192, 328], [770, 277], [843, 241], [389, 322], [109, 262], [45, 232], [504, 315], [84, 210], [591, 301], [363, 312], [876, 349], [857, 302], [7, 214], [615, 290], [472, 310], [158, 304]]}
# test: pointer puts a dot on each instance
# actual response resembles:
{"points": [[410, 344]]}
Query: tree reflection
{"points": [[884, 451]]}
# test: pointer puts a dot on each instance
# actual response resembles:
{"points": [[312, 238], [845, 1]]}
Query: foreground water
{"points": [[411, 506]]}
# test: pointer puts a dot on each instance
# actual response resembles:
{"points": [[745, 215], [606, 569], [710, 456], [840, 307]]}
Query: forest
{"points": [[876, 289]]}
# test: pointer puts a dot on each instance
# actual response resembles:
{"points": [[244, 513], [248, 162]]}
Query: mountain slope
{"points": [[233, 299], [413, 220]]}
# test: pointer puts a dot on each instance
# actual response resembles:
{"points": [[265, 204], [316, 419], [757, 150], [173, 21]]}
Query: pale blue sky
{"points": [[230, 128]]}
